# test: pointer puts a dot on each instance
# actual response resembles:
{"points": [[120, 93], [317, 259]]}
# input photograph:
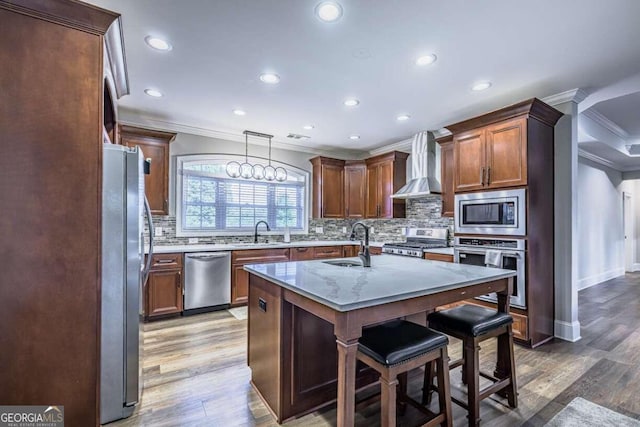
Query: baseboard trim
{"points": [[587, 282], [635, 267], [567, 331]]}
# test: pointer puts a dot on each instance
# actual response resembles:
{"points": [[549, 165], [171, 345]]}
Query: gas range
{"points": [[418, 239]]}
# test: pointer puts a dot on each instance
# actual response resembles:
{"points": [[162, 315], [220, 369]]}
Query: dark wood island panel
{"points": [[292, 354]]}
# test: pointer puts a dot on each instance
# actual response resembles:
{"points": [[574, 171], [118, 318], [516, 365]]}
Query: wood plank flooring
{"points": [[195, 371]]}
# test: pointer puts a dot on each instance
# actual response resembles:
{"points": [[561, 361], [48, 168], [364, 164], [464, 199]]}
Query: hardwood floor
{"points": [[195, 371]]}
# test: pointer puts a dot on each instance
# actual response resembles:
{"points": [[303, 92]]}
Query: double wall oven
{"points": [[495, 221]]}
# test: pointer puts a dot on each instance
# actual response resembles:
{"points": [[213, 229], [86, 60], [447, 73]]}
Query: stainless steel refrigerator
{"points": [[123, 275]]}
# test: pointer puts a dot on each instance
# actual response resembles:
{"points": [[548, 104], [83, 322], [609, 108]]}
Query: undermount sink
{"points": [[343, 263]]}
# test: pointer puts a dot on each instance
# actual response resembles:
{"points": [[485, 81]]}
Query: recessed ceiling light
{"points": [[481, 86], [154, 93], [308, 127], [426, 59], [270, 78], [351, 102], [158, 43], [403, 117], [354, 137], [329, 11], [238, 112]]}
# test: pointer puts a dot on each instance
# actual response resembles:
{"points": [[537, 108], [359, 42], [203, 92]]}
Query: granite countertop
{"points": [[390, 278], [443, 251], [160, 249]]}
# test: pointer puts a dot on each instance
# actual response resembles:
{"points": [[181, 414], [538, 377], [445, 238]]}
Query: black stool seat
{"points": [[469, 320], [398, 341]]}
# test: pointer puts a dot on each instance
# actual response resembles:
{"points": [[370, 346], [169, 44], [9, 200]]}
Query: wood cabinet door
{"points": [[302, 254], [164, 293], [355, 190], [469, 158], [332, 191], [385, 190], [372, 207], [239, 285], [447, 171], [155, 146], [506, 147]]}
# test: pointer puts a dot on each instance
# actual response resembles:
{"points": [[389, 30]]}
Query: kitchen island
{"points": [[299, 311]]}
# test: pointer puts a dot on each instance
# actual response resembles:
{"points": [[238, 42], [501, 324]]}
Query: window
{"points": [[210, 203]]}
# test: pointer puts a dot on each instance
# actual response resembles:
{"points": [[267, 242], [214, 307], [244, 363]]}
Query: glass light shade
{"points": [[233, 169], [246, 170], [258, 171], [269, 173], [281, 174]]}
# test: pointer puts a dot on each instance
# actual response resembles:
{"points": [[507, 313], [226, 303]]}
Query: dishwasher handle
{"points": [[208, 256]]}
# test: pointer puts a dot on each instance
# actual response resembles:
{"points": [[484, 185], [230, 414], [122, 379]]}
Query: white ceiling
{"points": [[526, 49]]}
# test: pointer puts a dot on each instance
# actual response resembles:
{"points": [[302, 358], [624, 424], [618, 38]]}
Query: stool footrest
{"points": [[494, 388], [456, 363]]}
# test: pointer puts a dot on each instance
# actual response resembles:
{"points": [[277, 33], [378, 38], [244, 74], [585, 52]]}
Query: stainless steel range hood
{"points": [[423, 166]]}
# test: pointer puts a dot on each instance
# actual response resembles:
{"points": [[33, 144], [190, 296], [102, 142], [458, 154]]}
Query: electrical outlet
{"points": [[319, 230], [403, 231], [193, 240], [158, 232], [344, 230], [371, 229]]}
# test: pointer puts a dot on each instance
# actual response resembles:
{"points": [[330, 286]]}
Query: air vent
{"points": [[297, 136]]}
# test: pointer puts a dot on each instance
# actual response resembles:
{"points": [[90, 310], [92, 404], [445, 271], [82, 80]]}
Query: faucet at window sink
{"points": [[364, 254], [255, 234]]}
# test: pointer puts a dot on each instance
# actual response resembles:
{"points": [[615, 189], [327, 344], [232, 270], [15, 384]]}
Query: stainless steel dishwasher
{"points": [[207, 281]]}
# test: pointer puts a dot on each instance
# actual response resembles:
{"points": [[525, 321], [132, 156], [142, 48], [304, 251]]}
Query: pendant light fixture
{"points": [[258, 172]]}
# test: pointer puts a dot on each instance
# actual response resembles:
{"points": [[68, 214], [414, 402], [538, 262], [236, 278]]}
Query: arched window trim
{"points": [[302, 213]]}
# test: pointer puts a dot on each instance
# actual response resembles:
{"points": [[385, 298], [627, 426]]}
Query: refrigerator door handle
{"points": [[147, 267]]}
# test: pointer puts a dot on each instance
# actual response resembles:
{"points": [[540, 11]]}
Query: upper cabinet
{"points": [[386, 174], [155, 146], [328, 187], [359, 189], [447, 169], [355, 188], [490, 151], [493, 156]]}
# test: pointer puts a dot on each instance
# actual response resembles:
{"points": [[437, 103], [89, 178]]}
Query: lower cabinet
{"points": [[163, 290], [292, 354], [438, 257], [240, 278]]}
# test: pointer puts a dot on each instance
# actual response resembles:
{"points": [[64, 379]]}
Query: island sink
{"points": [[343, 263]]}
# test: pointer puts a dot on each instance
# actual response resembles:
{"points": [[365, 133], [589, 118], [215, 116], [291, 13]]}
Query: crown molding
{"points": [[164, 125], [608, 163], [594, 158], [603, 121], [572, 95]]}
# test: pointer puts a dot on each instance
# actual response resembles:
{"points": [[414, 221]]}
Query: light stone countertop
{"points": [[443, 251], [164, 249], [390, 278]]}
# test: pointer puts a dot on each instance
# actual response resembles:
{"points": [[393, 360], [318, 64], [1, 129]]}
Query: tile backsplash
{"points": [[423, 212]]}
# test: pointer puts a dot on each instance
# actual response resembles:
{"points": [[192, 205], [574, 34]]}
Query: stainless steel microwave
{"points": [[491, 212]]}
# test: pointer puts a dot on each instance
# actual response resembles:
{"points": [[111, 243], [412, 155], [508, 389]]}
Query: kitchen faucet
{"points": [[255, 234], [364, 253]]}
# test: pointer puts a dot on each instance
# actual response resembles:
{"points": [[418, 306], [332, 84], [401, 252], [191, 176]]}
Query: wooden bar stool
{"points": [[473, 324], [393, 349]]}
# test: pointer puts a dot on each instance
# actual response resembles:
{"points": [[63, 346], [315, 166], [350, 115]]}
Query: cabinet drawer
{"points": [[520, 326], [302, 254], [259, 256], [438, 257], [374, 250], [320, 252], [166, 261]]}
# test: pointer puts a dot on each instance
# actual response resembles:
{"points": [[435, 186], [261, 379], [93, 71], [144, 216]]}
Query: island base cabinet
{"points": [[292, 354], [264, 355]]}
